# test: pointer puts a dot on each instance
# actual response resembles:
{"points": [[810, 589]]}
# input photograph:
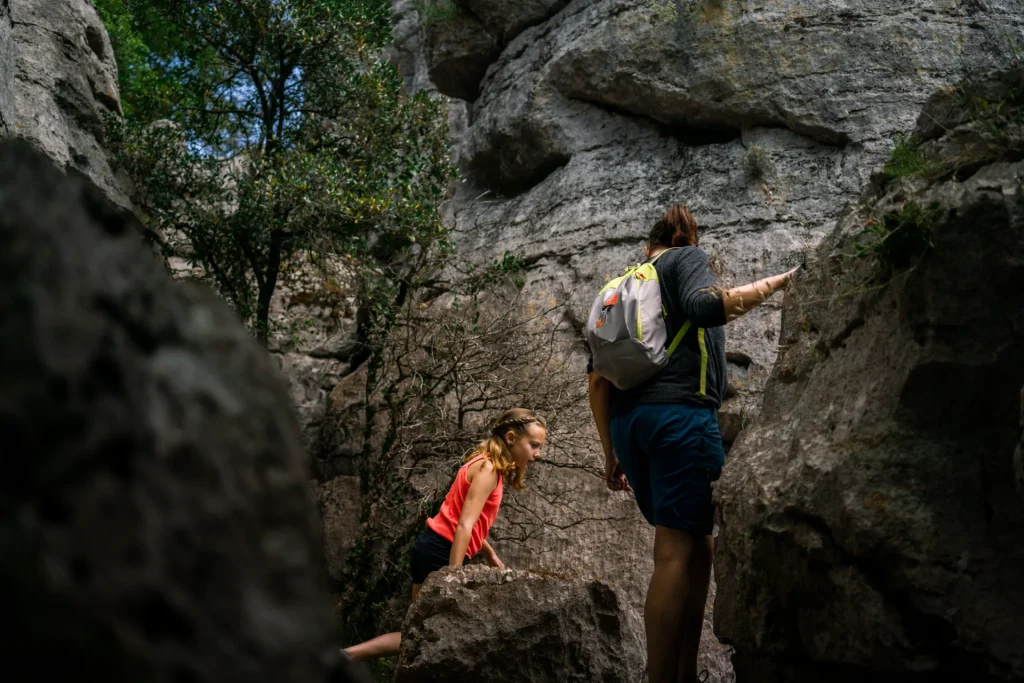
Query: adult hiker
{"points": [[657, 376], [459, 530]]}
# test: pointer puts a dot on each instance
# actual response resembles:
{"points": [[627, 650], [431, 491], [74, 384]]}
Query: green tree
{"points": [[288, 139], [150, 76]]}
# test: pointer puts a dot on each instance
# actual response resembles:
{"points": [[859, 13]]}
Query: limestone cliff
{"points": [[577, 128], [58, 79]]}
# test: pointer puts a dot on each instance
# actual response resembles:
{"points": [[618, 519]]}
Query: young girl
{"points": [[460, 529]]}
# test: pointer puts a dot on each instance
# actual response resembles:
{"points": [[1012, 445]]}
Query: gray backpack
{"points": [[626, 329]]}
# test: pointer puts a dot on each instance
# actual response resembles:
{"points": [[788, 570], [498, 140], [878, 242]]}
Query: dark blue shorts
{"points": [[670, 453], [430, 552]]}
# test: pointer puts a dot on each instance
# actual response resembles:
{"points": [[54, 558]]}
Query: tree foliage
{"points": [[151, 78], [286, 139]]}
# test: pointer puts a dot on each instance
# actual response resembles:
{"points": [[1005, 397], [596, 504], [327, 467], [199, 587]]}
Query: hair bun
{"points": [[676, 228]]}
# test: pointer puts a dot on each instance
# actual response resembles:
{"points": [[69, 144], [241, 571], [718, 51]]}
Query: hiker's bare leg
{"points": [[666, 598], [699, 573], [386, 645]]}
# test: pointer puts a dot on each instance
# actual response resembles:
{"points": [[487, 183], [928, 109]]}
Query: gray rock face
{"points": [[6, 68], [870, 526], [463, 38], [340, 442], [338, 500], [459, 49], [837, 73], [506, 20], [157, 524], [476, 623], [407, 53], [60, 79]]}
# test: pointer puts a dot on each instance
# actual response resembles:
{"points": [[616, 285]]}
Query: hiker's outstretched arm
{"points": [[740, 300], [696, 289]]}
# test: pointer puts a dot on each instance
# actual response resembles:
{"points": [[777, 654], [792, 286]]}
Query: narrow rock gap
{"points": [[701, 134], [690, 135], [491, 178]]}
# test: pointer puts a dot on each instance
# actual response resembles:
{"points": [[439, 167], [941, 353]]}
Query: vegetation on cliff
{"points": [[264, 133]]}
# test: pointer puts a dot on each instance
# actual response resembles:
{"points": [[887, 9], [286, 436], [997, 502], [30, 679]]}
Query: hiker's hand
{"points": [[613, 476], [787, 277], [494, 561]]}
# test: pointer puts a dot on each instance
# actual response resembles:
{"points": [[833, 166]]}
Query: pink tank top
{"points": [[446, 521]]}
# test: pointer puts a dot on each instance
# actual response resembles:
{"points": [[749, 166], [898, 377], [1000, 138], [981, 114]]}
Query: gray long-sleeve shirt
{"points": [[693, 374]]}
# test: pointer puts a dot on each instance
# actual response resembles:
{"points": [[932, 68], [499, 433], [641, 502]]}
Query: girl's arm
{"points": [[480, 488], [492, 557]]}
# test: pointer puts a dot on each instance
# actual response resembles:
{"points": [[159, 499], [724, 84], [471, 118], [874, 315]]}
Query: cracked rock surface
{"points": [[871, 526], [767, 118], [59, 80]]}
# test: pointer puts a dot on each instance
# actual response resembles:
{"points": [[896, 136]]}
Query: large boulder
{"points": [[477, 623], [157, 524], [870, 525], [59, 83]]}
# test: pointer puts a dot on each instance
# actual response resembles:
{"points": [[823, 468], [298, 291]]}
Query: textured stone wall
{"points": [[766, 118], [870, 522], [60, 80]]}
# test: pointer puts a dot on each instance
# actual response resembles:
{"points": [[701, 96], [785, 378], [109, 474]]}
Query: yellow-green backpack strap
{"points": [[655, 259], [613, 284], [679, 337]]}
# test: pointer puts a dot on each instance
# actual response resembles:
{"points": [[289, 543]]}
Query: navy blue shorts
{"points": [[670, 453], [430, 552]]}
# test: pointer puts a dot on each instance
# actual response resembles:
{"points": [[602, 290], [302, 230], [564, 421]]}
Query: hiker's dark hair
{"points": [[676, 228]]}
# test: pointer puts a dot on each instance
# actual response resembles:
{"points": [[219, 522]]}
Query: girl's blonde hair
{"points": [[518, 421]]}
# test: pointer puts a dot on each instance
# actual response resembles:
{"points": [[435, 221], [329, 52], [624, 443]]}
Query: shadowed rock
{"points": [[156, 523], [870, 525], [477, 623]]}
